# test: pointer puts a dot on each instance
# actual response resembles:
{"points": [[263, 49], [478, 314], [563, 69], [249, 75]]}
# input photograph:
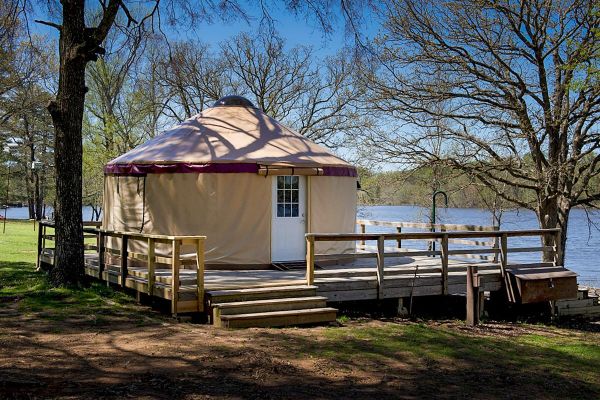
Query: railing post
{"points": [[39, 247], [503, 253], [151, 266], [44, 228], [363, 230], [175, 263], [124, 255], [444, 258], [101, 253], [200, 273], [557, 247], [399, 240], [496, 245], [473, 301], [380, 266], [310, 260]]}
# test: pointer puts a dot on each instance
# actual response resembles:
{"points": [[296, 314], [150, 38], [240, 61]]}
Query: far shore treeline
{"points": [[415, 187]]}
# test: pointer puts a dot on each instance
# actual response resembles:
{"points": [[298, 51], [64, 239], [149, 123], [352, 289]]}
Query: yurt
{"points": [[253, 186]]}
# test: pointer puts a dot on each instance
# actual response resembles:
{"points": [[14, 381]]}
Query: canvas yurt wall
{"points": [[213, 175], [232, 210]]}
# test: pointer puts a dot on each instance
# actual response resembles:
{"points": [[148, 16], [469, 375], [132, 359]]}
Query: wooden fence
{"points": [[444, 253], [107, 257]]}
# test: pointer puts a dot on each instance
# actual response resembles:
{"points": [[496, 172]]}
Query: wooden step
{"points": [[263, 293], [278, 318], [258, 306]]}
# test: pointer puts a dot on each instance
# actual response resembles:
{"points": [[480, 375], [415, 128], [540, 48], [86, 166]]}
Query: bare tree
{"points": [[276, 78], [520, 93], [316, 97], [192, 77]]}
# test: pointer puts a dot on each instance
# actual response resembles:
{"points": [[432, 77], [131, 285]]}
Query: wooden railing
{"points": [[44, 236], [445, 252], [429, 227], [150, 259]]}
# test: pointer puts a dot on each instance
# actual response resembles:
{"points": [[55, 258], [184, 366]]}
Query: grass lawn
{"points": [[21, 283], [94, 342]]}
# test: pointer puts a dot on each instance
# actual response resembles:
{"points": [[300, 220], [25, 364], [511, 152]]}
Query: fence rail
{"points": [[444, 253], [125, 256]]}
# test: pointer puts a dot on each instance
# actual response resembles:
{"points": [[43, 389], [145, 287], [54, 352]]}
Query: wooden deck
{"points": [[347, 281], [278, 297]]}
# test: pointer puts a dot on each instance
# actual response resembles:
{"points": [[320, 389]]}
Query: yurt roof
{"points": [[232, 136]]}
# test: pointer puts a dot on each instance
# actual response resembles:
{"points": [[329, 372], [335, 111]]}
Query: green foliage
{"points": [[553, 353]]}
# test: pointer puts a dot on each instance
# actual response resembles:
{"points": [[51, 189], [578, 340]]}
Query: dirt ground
{"points": [[158, 358]]}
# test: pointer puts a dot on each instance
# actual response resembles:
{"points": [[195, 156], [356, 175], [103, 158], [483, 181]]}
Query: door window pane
{"points": [[288, 196]]}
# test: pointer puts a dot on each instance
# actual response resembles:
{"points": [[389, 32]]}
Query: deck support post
{"points": [[101, 253], [310, 260], [444, 259], [151, 266], [175, 264], [473, 297], [380, 266], [200, 273], [399, 240], [401, 309], [124, 255]]}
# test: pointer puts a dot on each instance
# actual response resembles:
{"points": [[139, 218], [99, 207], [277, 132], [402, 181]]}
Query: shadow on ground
{"points": [[47, 358]]}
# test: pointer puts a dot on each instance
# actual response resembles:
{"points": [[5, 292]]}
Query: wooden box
{"points": [[534, 285]]}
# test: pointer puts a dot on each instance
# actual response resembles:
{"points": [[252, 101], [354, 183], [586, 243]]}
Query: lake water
{"points": [[582, 245]]}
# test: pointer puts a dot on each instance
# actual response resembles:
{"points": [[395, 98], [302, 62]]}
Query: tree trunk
{"points": [[554, 213], [67, 116]]}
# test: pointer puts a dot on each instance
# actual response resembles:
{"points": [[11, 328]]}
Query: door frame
{"points": [[305, 196]]}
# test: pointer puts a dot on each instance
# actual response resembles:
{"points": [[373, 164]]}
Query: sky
{"points": [[296, 30]]}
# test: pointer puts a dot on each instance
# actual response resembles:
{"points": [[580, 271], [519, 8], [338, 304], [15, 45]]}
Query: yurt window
{"points": [[288, 188]]}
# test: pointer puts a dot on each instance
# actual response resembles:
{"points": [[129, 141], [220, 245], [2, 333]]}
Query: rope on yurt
{"points": [[143, 203]]}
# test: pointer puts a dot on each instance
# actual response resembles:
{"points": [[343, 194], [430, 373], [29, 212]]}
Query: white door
{"points": [[288, 224]]}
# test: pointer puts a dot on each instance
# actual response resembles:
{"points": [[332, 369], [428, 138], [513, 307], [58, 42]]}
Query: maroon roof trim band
{"points": [[186, 168]]}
